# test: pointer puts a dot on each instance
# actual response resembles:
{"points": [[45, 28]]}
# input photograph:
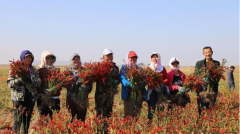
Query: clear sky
{"points": [[178, 28]]}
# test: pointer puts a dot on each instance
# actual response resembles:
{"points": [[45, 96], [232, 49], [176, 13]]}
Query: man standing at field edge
{"points": [[207, 52]]}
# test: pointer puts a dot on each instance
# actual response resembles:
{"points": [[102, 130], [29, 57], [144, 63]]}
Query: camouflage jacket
{"points": [[19, 89], [113, 82]]}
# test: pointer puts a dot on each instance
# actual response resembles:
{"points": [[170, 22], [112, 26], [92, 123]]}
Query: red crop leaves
{"points": [[18, 68], [134, 75], [213, 72], [193, 82], [95, 72], [153, 79], [56, 80]]}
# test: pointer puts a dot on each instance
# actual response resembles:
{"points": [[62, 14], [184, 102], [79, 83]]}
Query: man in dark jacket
{"points": [[104, 95], [207, 52]]}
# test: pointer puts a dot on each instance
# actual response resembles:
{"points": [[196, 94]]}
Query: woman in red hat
{"points": [[127, 86]]}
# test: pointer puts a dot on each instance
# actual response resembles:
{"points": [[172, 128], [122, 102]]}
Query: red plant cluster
{"points": [[18, 68], [56, 80], [95, 72], [193, 82], [214, 72], [134, 75], [153, 79]]}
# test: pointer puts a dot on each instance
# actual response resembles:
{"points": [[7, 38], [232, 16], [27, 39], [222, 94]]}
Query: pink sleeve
{"points": [[172, 87]]}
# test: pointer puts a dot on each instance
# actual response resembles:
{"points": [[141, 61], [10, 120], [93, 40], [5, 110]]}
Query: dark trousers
{"points": [[103, 107], [231, 86], [81, 113], [202, 104], [22, 114], [152, 104], [45, 109]]}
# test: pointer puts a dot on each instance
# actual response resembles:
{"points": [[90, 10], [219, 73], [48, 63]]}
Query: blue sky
{"points": [[179, 28]]}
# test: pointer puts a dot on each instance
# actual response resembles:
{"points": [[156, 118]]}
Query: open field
{"points": [[224, 117]]}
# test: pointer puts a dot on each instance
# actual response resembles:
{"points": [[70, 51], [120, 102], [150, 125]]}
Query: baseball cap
{"points": [[107, 51], [132, 54]]}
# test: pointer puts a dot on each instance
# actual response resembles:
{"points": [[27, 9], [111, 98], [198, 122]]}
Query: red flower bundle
{"points": [[136, 78], [95, 72], [214, 72], [153, 79], [56, 80], [193, 82], [134, 75], [18, 68]]}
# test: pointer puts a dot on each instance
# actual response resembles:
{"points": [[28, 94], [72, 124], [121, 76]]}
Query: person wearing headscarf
{"points": [[23, 96], [77, 93], [127, 86], [47, 100], [153, 93], [176, 78], [105, 92]]}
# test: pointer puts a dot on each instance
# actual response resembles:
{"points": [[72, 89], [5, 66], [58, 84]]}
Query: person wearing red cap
{"points": [[127, 85]]}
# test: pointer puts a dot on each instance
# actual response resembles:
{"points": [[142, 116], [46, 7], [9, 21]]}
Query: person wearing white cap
{"points": [[76, 102], [153, 93], [105, 92], [176, 78]]}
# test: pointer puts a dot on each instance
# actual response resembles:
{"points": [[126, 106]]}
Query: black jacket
{"points": [[202, 63]]}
